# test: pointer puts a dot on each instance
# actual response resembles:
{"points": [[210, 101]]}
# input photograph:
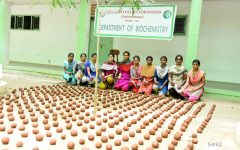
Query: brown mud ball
{"points": [[39, 137], [53, 141], [82, 141], [84, 129], [19, 144], [134, 146], [104, 139], [164, 134], [90, 137], [5, 140], [74, 133], [98, 144], [155, 144], [63, 136], [117, 142], [159, 139], [70, 145], [171, 147], [109, 147]]}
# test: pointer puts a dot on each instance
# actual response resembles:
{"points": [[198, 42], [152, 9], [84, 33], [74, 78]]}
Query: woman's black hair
{"points": [[69, 54], [83, 54], [163, 57], [196, 61], [150, 58], [94, 54], [178, 56], [136, 57], [126, 52], [110, 54]]}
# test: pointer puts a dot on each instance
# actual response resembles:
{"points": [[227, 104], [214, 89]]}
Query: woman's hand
{"points": [[172, 83], [160, 88]]}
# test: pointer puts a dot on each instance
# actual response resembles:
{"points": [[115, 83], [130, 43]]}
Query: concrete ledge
{"points": [[3, 87], [222, 92]]}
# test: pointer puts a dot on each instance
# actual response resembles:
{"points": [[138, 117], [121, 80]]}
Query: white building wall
{"points": [[56, 38], [219, 43]]}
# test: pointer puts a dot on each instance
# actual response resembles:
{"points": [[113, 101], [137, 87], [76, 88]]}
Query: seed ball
{"points": [[159, 139], [111, 136], [53, 141], [70, 145], [108, 147], [146, 136], [155, 144], [39, 137], [194, 135], [59, 129], [125, 138], [90, 137], [134, 146], [194, 140], [84, 129], [63, 136], [74, 133], [24, 134], [104, 139], [171, 147], [132, 134], [48, 134], [10, 131], [82, 141], [5, 140], [164, 134], [140, 142], [19, 144], [118, 131], [117, 142]]}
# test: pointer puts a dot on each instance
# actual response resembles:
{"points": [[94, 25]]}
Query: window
{"points": [[25, 22], [180, 25]]}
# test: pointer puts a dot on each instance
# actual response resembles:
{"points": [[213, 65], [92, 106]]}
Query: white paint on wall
{"points": [[219, 43], [51, 44]]}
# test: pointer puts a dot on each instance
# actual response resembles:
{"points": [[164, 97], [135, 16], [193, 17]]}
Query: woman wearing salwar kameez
{"points": [[135, 71], [124, 73], [147, 75], [68, 69], [109, 71], [161, 77], [79, 68], [177, 78], [90, 71], [194, 87]]}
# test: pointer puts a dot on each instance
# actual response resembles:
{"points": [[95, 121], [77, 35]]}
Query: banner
{"points": [[153, 22]]}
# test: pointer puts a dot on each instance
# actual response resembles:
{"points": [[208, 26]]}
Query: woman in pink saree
{"points": [[124, 73], [194, 86]]}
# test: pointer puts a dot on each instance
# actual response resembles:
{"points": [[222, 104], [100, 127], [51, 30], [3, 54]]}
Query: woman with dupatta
{"points": [[90, 71], [109, 71], [161, 77], [79, 68], [194, 87], [135, 71], [124, 73], [147, 75], [68, 69]]}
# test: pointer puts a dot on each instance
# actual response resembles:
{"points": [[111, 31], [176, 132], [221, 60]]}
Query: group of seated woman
{"points": [[130, 75]]}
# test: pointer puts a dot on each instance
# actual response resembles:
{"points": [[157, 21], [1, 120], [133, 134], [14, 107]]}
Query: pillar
{"points": [[4, 31], [83, 27], [193, 33]]}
